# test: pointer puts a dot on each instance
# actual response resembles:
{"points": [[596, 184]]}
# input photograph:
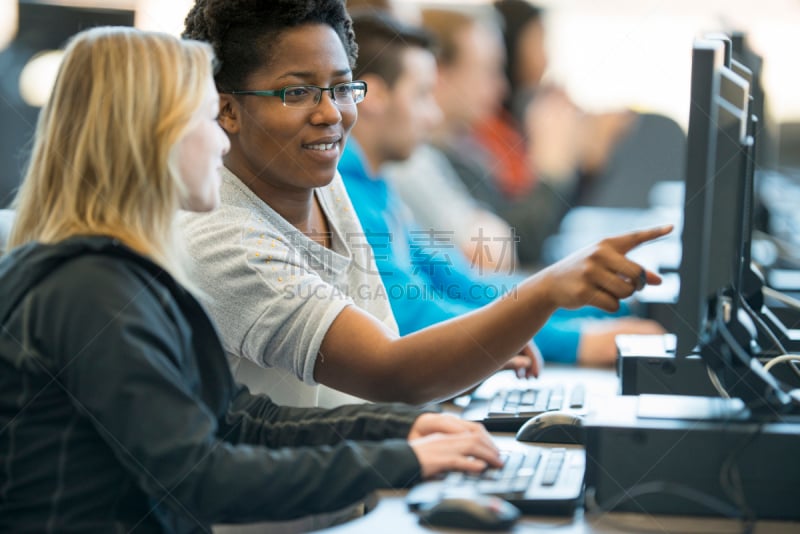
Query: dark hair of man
{"points": [[381, 41], [243, 33], [515, 15]]}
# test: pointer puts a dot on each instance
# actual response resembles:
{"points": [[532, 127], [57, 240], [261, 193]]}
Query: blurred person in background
{"points": [[397, 63], [471, 89], [538, 121], [426, 176]]}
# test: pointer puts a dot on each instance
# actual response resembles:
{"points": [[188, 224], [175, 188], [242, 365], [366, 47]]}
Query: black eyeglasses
{"points": [[308, 96]]}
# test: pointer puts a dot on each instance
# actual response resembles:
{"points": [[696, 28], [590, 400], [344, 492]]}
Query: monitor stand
{"points": [[647, 364], [640, 370]]}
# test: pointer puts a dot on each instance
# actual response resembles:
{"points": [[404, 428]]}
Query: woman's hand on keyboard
{"points": [[436, 423], [466, 451], [444, 442]]}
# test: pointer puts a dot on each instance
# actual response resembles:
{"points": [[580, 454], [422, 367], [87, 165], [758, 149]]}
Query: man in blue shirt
{"points": [[428, 280]]}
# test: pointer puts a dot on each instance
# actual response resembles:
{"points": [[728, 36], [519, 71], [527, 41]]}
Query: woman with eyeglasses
{"points": [[118, 412], [290, 276]]}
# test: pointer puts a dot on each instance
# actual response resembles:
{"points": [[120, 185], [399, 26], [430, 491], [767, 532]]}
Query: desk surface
{"points": [[391, 514]]}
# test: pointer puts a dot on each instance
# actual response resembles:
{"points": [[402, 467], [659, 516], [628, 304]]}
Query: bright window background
{"points": [[613, 53], [607, 53], [637, 53]]}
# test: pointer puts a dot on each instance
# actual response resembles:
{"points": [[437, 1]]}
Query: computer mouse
{"points": [[553, 427], [478, 512]]}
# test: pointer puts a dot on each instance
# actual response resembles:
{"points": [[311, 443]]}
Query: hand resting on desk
{"points": [[528, 363], [597, 347]]}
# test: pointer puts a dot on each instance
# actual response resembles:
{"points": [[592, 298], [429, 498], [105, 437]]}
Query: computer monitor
{"points": [[690, 310], [708, 307], [765, 156], [725, 187], [728, 334], [777, 338], [715, 190], [744, 284], [42, 26]]}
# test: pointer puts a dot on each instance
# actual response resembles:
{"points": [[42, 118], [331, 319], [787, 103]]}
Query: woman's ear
{"points": [[229, 113]]}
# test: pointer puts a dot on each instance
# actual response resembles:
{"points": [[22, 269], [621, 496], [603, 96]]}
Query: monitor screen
{"points": [[714, 230], [690, 310], [715, 189], [748, 211], [765, 156], [725, 187], [727, 331]]}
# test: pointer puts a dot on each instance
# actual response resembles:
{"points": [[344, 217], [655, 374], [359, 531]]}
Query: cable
{"points": [[717, 383], [789, 252], [730, 479], [783, 298], [763, 325], [780, 359], [757, 403], [760, 322]]}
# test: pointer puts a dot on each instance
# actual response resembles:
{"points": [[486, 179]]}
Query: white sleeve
{"points": [[270, 306]]}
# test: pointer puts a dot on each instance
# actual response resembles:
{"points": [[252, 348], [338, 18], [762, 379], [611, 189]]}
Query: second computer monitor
{"points": [[714, 188]]}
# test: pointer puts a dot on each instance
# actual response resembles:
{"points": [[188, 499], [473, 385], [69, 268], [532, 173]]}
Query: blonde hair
{"points": [[104, 156]]}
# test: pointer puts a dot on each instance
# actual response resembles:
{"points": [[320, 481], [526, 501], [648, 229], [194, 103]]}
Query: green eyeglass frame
{"points": [[306, 96]]}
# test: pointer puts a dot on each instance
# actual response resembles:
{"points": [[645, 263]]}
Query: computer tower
{"points": [[691, 456]]}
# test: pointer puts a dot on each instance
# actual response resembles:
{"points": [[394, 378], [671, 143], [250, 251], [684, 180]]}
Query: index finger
{"points": [[626, 242]]}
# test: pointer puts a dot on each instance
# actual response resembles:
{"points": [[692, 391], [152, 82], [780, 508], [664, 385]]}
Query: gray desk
{"points": [[391, 515]]}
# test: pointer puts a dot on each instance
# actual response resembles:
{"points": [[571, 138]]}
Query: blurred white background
{"points": [[637, 53], [607, 53]]}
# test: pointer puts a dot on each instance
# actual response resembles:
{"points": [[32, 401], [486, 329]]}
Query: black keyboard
{"points": [[538, 480], [508, 409]]}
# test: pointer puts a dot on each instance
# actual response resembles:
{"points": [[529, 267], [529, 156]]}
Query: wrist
{"points": [[540, 292]]}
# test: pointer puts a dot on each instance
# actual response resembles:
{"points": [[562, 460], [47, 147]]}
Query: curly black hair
{"points": [[243, 32]]}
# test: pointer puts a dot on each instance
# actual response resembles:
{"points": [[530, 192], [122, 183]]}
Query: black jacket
{"points": [[118, 412]]}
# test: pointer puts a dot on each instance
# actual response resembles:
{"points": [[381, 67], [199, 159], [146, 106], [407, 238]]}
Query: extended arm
{"points": [[360, 356]]}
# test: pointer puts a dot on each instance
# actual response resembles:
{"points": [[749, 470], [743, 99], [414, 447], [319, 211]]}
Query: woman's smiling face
{"points": [[289, 148]]}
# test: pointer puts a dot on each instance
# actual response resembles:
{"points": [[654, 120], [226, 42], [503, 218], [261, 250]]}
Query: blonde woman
{"points": [[117, 408]]}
